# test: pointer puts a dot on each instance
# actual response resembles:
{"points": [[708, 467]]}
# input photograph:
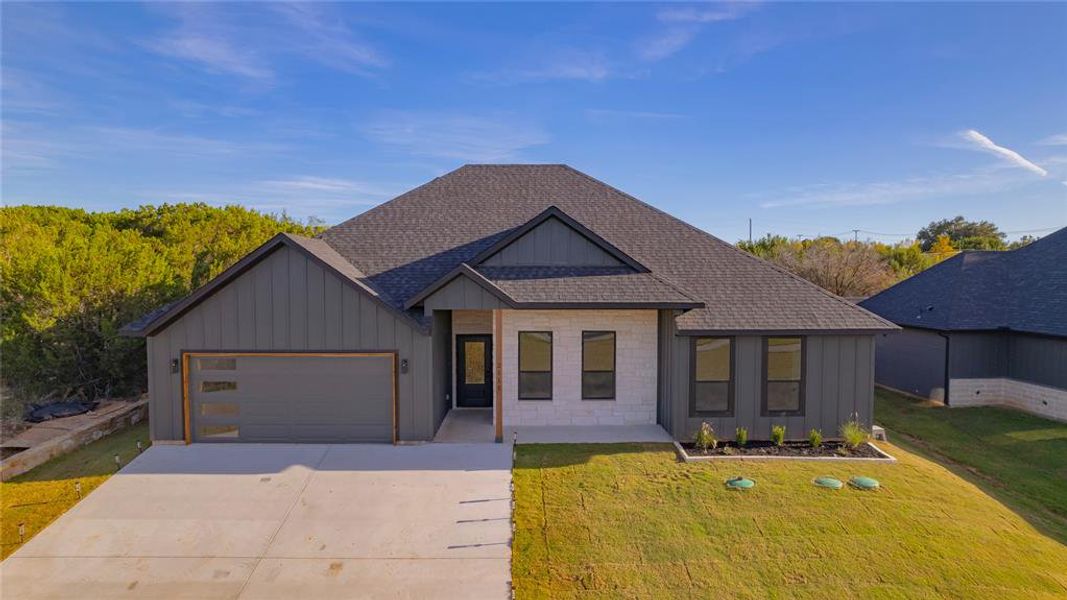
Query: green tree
{"points": [[964, 234]]}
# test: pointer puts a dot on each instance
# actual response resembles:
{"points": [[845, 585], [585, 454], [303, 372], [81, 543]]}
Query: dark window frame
{"points": [[551, 351], [614, 364], [802, 382], [732, 383]]}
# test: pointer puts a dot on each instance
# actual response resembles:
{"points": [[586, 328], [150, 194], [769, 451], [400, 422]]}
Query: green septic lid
{"points": [[739, 483], [828, 482], [864, 483]]}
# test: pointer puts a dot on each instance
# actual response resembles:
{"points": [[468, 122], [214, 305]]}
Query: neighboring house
{"points": [[535, 291], [982, 328]]}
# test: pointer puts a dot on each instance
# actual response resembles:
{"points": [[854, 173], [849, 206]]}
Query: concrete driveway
{"points": [[282, 521]]}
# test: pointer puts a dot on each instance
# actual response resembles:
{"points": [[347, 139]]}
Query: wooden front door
{"points": [[474, 373]]}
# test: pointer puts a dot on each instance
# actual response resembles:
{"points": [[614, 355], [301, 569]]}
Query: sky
{"points": [[808, 119]]}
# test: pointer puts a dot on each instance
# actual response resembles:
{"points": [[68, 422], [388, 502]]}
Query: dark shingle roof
{"points": [[575, 285], [1022, 290], [411, 241]]}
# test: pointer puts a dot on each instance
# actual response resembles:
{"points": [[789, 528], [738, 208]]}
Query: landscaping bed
{"points": [[759, 449]]}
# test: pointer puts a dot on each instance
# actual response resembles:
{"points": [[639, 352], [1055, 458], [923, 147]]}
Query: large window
{"points": [[712, 377], [535, 365], [783, 376], [598, 365]]}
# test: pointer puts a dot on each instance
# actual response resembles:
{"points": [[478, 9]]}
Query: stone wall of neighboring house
{"points": [[635, 367], [1040, 400]]}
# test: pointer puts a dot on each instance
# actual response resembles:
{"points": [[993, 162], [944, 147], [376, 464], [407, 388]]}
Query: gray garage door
{"points": [[236, 397]]}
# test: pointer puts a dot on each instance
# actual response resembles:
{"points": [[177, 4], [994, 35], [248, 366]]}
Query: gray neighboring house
{"points": [[981, 328], [535, 293]]}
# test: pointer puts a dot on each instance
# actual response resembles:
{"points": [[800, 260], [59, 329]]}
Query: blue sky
{"points": [[808, 118]]}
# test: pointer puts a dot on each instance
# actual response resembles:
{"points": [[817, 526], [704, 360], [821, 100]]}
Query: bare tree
{"points": [[845, 269]]}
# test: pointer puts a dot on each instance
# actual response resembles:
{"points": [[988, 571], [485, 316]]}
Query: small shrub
{"points": [[854, 433], [705, 438], [742, 436], [815, 438], [778, 434], [729, 450]]}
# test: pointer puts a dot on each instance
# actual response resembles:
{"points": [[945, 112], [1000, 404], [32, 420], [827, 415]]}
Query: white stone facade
{"points": [[1037, 399], [635, 367]]}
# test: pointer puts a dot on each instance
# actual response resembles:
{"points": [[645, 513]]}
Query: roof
{"points": [[585, 285], [412, 241], [1021, 290], [397, 251]]}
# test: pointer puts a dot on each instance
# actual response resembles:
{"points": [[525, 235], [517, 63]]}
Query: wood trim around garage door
{"points": [[187, 354]]}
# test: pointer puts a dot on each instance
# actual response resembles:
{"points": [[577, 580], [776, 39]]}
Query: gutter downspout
{"points": [[947, 362]]}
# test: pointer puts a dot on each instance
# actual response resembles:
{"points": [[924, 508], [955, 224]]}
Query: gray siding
{"points": [[1040, 360], [839, 382], [461, 293], [442, 366], [552, 243], [978, 355], [912, 361], [287, 302]]}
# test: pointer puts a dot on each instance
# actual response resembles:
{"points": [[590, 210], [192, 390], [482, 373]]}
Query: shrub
{"points": [[705, 438], [742, 436], [854, 433], [815, 438], [778, 434]]}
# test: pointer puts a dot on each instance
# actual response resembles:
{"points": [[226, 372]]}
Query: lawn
{"points": [[1019, 458], [38, 497], [629, 521]]}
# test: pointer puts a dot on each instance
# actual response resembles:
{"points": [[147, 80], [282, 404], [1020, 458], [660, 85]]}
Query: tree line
{"points": [[862, 268], [70, 279]]}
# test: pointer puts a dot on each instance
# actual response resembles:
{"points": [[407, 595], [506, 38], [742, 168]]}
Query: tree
{"points": [[845, 269], [942, 247], [905, 259], [964, 234]]}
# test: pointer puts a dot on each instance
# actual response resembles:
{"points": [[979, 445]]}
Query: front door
{"points": [[474, 375]]}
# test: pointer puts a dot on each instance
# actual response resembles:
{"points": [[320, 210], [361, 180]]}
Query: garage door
{"points": [[249, 397]]}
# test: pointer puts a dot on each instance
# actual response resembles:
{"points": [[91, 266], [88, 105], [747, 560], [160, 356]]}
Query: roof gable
{"points": [[314, 249], [554, 239]]}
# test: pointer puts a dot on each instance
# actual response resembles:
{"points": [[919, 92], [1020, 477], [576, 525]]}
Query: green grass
{"points": [[1019, 458], [628, 521], [38, 497]]}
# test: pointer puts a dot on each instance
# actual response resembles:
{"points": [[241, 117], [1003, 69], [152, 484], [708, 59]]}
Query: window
{"points": [[218, 386], [598, 365], [712, 382], [219, 431], [535, 365], [219, 409], [217, 364], [474, 362], [783, 376]]}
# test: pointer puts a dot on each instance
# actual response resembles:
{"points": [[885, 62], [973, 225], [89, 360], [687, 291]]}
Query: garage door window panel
{"points": [[218, 386]]}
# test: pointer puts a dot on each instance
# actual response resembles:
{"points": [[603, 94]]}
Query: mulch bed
{"points": [[754, 448]]}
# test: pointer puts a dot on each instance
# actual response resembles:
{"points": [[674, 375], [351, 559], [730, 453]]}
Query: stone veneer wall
{"points": [[635, 367], [1037, 399]]}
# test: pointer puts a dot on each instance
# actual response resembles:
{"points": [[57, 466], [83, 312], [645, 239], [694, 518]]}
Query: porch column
{"points": [[498, 370]]}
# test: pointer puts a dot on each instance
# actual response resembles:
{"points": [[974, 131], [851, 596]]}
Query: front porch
{"points": [[475, 425]]}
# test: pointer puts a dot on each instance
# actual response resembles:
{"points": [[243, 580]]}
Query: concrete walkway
{"points": [[282, 521], [586, 434]]}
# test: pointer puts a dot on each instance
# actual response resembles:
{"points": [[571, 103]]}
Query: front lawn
{"points": [[629, 521], [38, 497], [1018, 457]]}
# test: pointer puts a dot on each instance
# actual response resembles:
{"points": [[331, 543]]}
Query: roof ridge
{"points": [[735, 248]]}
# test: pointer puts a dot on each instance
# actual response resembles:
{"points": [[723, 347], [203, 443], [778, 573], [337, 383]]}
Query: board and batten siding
{"points": [[839, 382], [289, 303], [552, 243], [461, 293]]}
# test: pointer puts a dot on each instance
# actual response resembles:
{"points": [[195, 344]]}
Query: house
{"points": [[981, 328], [533, 292]]}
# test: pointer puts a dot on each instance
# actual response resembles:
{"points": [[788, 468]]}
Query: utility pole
{"points": [[855, 235], [750, 230]]}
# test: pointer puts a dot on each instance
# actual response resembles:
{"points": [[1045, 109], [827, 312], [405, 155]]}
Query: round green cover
{"points": [[864, 483], [739, 483], [828, 482]]}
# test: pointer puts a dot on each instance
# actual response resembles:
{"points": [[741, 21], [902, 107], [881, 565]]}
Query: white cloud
{"points": [[980, 142], [474, 138], [328, 39], [603, 114], [216, 54], [683, 26], [1060, 139], [567, 64], [927, 188]]}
